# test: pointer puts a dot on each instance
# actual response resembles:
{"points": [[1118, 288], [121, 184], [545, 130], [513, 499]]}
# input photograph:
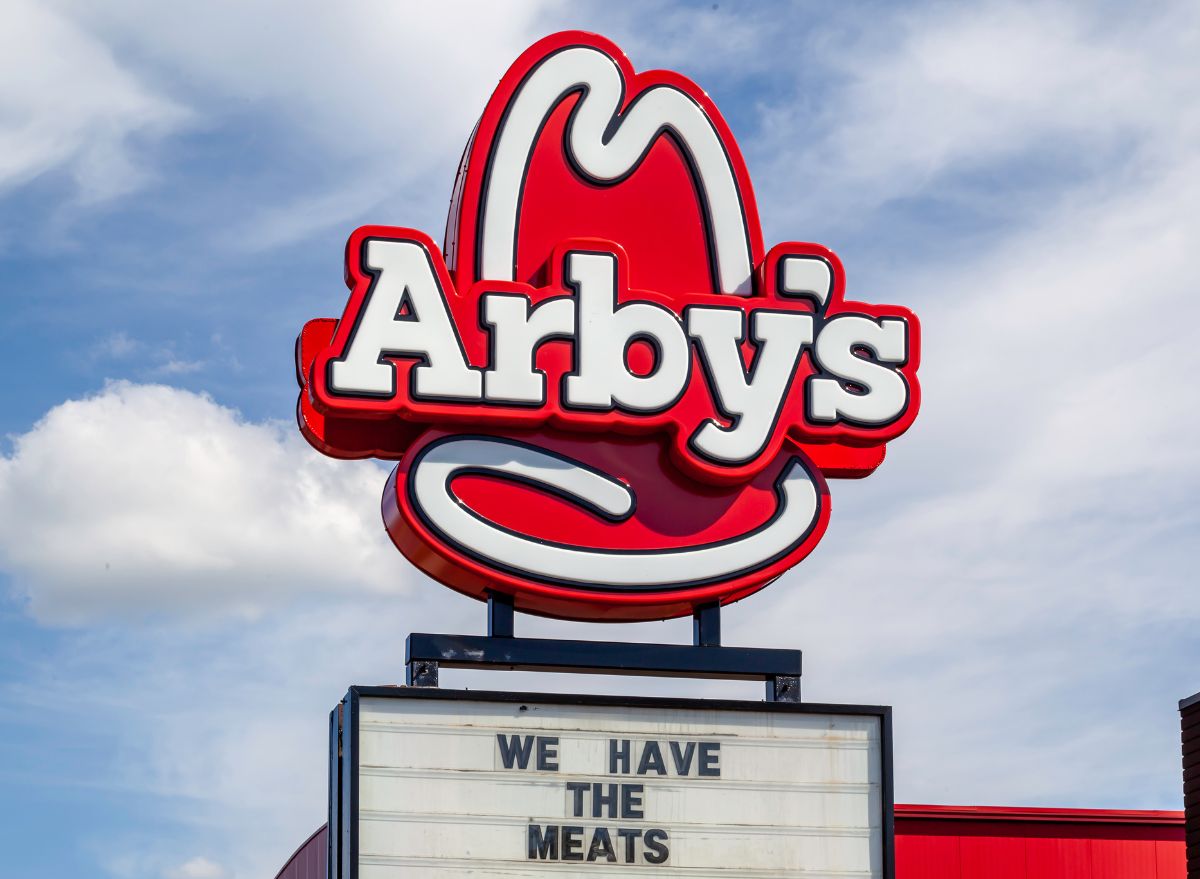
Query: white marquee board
{"points": [[427, 784]]}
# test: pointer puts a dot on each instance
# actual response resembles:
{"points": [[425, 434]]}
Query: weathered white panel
{"points": [[796, 795]]}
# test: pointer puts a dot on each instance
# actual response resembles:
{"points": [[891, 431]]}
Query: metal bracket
{"points": [[784, 688], [500, 650], [422, 673]]}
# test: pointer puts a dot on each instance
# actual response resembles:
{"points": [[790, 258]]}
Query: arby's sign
{"points": [[604, 395]]}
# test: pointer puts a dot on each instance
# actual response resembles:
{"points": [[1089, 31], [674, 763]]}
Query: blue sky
{"points": [[187, 588]]}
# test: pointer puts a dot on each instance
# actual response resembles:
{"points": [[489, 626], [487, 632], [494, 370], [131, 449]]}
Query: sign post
{"points": [[608, 401], [425, 654]]}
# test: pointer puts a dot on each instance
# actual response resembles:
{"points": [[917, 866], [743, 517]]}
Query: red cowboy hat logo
{"points": [[605, 399]]}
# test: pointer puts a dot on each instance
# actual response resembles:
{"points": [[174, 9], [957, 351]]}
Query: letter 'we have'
{"points": [[605, 397]]}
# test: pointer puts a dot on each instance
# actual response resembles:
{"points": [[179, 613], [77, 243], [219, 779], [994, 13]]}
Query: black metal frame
{"points": [[343, 818], [425, 654], [333, 867]]}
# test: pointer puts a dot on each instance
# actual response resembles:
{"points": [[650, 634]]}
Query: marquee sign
{"points": [[604, 396], [433, 783]]}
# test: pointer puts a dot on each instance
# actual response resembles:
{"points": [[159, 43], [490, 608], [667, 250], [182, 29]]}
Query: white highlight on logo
{"points": [[808, 276], [431, 494], [607, 149], [884, 394]]}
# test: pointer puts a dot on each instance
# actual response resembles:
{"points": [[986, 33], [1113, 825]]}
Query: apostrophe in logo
{"points": [[604, 398]]}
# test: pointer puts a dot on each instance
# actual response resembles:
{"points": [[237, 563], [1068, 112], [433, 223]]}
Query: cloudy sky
{"points": [[188, 588]]}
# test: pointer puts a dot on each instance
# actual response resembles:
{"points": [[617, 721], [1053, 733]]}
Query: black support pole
{"points": [[706, 626], [499, 615]]}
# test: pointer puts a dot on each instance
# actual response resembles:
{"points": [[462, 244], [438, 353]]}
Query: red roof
{"points": [[990, 842]]}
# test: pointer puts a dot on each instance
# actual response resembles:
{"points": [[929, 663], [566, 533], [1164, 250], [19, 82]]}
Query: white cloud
{"points": [[174, 366], [66, 102], [116, 346], [943, 88], [400, 78], [148, 500], [694, 39], [140, 359], [198, 867], [387, 93]]}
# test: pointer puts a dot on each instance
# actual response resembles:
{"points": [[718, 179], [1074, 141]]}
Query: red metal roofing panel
{"points": [[985, 857], [978, 842], [929, 857], [1170, 858], [1117, 859], [1060, 859]]}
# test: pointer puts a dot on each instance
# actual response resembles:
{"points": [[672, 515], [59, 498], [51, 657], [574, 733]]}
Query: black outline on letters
{"points": [[715, 388], [844, 382], [387, 356], [644, 336]]}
